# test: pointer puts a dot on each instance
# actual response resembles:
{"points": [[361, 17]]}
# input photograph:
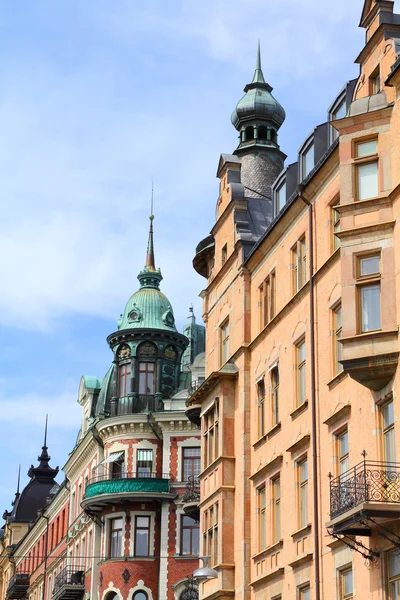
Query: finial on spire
{"points": [[19, 480], [150, 261], [258, 74], [45, 432]]}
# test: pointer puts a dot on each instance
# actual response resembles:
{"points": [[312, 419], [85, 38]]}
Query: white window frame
{"points": [[308, 144], [191, 442], [142, 513], [106, 541], [144, 445]]}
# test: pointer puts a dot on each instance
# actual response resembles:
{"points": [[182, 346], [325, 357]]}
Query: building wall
{"points": [[250, 459]]}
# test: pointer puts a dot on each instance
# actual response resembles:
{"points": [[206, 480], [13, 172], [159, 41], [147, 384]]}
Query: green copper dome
{"points": [[148, 308], [258, 104]]}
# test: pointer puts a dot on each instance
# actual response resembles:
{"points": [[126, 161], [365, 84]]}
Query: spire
{"points": [[258, 74], [150, 261], [150, 277], [43, 470], [19, 480]]}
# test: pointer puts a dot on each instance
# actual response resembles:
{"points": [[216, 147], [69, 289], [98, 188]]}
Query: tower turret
{"points": [[147, 349], [258, 117]]}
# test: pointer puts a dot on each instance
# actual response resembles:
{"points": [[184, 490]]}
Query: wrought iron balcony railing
{"points": [[194, 386], [17, 586], [192, 493], [117, 483], [369, 481], [69, 576]]}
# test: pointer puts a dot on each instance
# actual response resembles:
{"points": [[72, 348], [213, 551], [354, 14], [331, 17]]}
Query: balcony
{"points": [[371, 358], [136, 404], [18, 586], [364, 497], [108, 489], [69, 584], [191, 499]]}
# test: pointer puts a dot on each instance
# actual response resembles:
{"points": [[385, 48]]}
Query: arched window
{"points": [[111, 596], [140, 596], [262, 133], [249, 133]]}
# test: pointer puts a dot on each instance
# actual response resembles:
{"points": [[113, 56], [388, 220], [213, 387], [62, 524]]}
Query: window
{"points": [[210, 534], [302, 469], [262, 521], [304, 593], [337, 112], [189, 536], [142, 536], [337, 349], [224, 254], [299, 260], [342, 440], [190, 463], [268, 294], [389, 443], [224, 342], [261, 407], [124, 379], [275, 395], [118, 468], [138, 596], [115, 537], [307, 160], [276, 509], [144, 463], [367, 169], [335, 226], [375, 82], [394, 574], [280, 198], [146, 378], [346, 583], [211, 435], [301, 372], [369, 290]]}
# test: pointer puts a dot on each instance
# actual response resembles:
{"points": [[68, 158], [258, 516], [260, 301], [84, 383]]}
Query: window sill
{"points": [[127, 558], [301, 532], [297, 411], [186, 556], [337, 379], [267, 436], [267, 551], [367, 334], [301, 560]]}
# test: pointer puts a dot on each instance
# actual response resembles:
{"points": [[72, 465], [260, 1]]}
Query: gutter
{"points": [[314, 447]]}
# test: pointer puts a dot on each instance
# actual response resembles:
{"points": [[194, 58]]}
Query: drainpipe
{"points": [[96, 436], [300, 189], [150, 424], [45, 556]]}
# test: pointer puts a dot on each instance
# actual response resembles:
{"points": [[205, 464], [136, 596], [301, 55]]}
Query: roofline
{"points": [[294, 197]]}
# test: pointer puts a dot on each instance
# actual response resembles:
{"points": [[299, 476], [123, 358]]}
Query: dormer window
{"points": [[337, 111], [375, 82], [307, 159], [280, 197]]}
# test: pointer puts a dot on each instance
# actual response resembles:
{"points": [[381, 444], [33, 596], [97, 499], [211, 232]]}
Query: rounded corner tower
{"points": [[147, 349], [258, 117]]}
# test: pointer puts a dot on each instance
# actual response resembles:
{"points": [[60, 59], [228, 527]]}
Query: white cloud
{"points": [[29, 409]]}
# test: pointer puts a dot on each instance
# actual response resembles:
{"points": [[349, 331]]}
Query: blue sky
{"points": [[96, 98]]}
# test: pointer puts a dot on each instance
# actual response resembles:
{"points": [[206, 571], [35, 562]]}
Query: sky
{"points": [[96, 99]]}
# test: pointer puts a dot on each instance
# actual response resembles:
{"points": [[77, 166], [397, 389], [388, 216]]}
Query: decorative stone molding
{"points": [[140, 587], [111, 588]]}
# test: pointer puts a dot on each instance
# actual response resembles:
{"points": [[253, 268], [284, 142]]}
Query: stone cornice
{"points": [[80, 456]]}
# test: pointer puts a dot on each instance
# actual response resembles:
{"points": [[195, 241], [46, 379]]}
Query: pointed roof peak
{"points": [[258, 74], [150, 260], [43, 469]]}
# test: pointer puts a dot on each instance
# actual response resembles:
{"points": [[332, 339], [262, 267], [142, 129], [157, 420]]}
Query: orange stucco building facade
{"points": [[300, 484]]}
